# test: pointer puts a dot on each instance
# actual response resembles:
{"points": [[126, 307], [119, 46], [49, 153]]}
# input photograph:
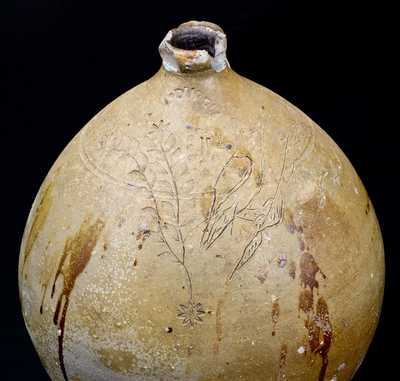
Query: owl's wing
{"points": [[228, 193]]}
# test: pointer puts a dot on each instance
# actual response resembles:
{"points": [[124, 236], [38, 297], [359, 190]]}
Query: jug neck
{"points": [[194, 46]]}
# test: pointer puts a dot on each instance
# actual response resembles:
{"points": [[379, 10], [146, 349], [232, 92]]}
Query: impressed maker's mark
{"points": [[193, 95]]}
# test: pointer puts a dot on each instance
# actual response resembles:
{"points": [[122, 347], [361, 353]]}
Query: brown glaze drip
{"points": [[45, 283], [43, 297], [308, 276], [308, 271], [39, 219], [317, 324], [306, 301], [320, 334], [282, 362], [308, 266], [275, 312], [78, 251]]}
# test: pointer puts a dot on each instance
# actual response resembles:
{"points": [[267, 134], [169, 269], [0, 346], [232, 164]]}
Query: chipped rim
{"points": [[177, 60]]}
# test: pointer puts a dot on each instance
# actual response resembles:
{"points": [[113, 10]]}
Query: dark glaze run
{"points": [[320, 334], [43, 296], [78, 251], [275, 315], [282, 362], [318, 326], [306, 301], [308, 271], [39, 219]]}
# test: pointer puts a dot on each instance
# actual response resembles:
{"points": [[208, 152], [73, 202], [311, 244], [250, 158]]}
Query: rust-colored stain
{"points": [[218, 325], [40, 216], [308, 271], [317, 324], [320, 334], [306, 301], [308, 265], [282, 357], [75, 258], [316, 221], [275, 312], [282, 362]]}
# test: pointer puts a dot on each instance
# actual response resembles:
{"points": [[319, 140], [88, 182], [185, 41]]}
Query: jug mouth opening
{"points": [[194, 46], [194, 39]]}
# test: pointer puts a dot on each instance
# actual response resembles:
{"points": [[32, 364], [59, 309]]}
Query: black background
{"points": [[71, 58]]}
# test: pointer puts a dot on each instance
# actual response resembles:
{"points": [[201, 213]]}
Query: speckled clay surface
{"points": [[201, 228]]}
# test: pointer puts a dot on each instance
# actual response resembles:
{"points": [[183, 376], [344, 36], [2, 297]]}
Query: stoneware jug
{"points": [[201, 228]]}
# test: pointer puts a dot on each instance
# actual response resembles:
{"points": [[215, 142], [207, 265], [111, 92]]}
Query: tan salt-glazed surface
{"points": [[201, 228]]}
